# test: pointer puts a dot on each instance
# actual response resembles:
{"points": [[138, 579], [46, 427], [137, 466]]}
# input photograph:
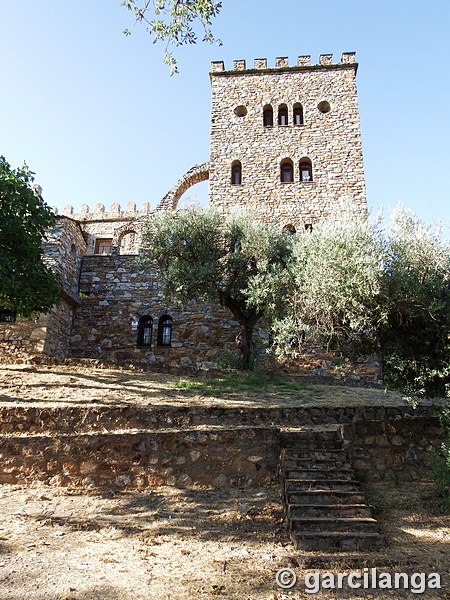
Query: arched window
{"points": [[298, 114], [287, 171], [236, 173], [127, 243], [289, 229], [305, 170], [165, 331], [268, 116], [145, 330], [283, 115]]}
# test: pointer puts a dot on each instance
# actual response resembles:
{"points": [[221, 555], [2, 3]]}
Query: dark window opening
{"points": [[268, 116], [283, 116], [287, 172], [165, 331], [298, 114], [145, 331], [7, 316], [103, 246], [305, 170], [236, 173], [289, 229]]}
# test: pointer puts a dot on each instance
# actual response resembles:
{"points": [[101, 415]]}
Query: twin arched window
{"points": [[145, 331], [287, 170]]}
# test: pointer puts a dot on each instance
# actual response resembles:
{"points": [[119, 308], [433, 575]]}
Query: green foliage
{"points": [[200, 254], [440, 462], [174, 22], [414, 339], [237, 383], [332, 285], [360, 289], [230, 360], [26, 284]]}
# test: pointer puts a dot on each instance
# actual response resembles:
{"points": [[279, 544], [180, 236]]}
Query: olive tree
{"points": [[201, 254], [173, 22], [415, 337], [331, 288]]}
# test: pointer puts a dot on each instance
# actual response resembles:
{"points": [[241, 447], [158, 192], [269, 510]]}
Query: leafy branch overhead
{"points": [[173, 22]]}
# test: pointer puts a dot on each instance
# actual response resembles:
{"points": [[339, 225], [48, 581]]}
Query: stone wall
{"points": [[330, 139], [116, 295], [392, 449], [238, 457], [207, 446], [50, 333]]}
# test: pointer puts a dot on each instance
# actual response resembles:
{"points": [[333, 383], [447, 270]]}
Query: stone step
{"points": [[326, 464], [299, 485], [336, 524], [332, 541], [329, 497], [320, 474], [328, 510], [292, 443], [304, 436], [313, 454]]}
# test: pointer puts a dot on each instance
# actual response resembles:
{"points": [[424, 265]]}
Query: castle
{"points": [[285, 140]]}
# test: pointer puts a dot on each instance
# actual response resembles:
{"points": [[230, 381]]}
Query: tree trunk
{"points": [[245, 343], [247, 319]]}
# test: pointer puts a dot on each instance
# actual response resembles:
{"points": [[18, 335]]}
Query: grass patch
{"points": [[235, 383]]}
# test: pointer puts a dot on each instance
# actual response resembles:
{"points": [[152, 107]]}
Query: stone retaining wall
{"points": [[123, 446], [238, 457], [68, 420], [392, 449]]}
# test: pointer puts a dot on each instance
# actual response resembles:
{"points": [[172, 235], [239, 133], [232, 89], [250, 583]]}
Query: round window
{"points": [[324, 106], [240, 111]]}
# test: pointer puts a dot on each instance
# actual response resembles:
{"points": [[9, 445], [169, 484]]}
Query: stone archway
{"points": [[193, 176]]}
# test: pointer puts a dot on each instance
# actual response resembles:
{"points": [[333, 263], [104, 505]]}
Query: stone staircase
{"points": [[325, 506]]}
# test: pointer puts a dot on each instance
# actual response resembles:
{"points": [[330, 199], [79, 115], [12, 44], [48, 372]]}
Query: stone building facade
{"points": [[285, 141]]}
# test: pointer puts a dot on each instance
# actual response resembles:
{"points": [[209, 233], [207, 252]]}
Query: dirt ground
{"points": [[85, 382], [172, 544]]}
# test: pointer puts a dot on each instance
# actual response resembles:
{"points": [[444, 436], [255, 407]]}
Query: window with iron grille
{"points": [[7, 316], [145, 330], [165, 331]]}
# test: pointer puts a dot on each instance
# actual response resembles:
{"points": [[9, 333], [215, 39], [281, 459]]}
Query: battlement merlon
{"points": [[282, 63]]}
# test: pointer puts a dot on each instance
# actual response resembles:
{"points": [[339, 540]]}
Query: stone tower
{"points": [[286, 139]]}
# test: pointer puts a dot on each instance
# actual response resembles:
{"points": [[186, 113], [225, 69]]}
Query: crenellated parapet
{"points": [[303, 62], [100, 213]]}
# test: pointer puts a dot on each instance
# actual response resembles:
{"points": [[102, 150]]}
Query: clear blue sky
{"points": [[98, 118]]}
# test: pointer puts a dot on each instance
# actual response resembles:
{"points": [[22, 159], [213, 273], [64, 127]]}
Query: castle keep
{"points": [[285, 140]]}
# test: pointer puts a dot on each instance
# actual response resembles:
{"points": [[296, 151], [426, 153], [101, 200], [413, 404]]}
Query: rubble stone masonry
{"points": [[328, 136]]}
